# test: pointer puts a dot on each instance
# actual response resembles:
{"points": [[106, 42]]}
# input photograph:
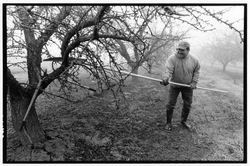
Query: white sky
{"points": [[198, 37], [236, 13]]}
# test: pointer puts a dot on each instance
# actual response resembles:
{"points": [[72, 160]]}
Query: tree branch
{"points": [[66, 48], [72, 32], [123, 51], [98, 18], [230, 25], [51, 28]]}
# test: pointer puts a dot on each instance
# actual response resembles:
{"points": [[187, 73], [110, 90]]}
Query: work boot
{"points": [[169, 126], [183, 123], [184, 116]]}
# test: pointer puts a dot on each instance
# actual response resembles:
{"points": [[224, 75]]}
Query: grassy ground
{"points": [[94, 129]]}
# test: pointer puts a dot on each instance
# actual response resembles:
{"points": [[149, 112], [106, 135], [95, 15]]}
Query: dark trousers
{"points": [[187, 96]]}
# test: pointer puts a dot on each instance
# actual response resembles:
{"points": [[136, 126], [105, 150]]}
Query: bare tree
{"points": [[225, 47], [41, 25], [151, 41]]}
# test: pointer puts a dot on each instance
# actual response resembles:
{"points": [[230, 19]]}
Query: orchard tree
{"points": [[225, 47], [34, 28], [207, 54], [230, 50], [152, 40]]}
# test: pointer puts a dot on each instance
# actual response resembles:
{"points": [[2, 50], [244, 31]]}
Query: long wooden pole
{"points": [[31, 103], [173, 83], [198, 87]]}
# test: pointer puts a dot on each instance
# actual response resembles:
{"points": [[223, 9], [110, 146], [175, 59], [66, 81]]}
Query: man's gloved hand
{"points": [[193, 85], [164, 82]]}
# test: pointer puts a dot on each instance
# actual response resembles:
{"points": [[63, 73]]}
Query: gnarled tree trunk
{"points": [[135, 69], [32, 132], [19, 98]]}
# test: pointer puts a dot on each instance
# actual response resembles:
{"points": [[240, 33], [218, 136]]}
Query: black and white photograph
{"points": [[124, 83]]}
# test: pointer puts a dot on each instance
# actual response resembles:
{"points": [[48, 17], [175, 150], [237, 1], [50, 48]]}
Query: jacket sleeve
{"points": [[169, 68], [196, 73]]}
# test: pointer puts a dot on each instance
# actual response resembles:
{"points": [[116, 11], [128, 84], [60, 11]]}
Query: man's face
{"points": [[182, 53]]}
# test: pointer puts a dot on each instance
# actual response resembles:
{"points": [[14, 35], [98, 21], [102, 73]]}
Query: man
{"points": [[184, 68]]}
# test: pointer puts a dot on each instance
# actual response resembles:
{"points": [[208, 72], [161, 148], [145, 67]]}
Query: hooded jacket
{"points": [[182, 70]]}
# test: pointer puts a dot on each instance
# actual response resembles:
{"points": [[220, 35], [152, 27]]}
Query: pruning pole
{"points": [[31, 103], [198, 87], [173, 83]]}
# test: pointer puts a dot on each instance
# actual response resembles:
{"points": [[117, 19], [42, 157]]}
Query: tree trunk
{"points": [[32, 132], [135, 71], [149, 67], [224, 67], [211, 65]]}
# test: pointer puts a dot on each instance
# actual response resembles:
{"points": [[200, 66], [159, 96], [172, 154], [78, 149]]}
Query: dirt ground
{"points": [[94, 129]]}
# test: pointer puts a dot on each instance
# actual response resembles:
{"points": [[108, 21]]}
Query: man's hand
{"points": [[164, 82], [193, 85]]}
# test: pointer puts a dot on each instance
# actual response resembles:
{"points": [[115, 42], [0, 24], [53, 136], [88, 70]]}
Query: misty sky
{"points": [[235, 14]]}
